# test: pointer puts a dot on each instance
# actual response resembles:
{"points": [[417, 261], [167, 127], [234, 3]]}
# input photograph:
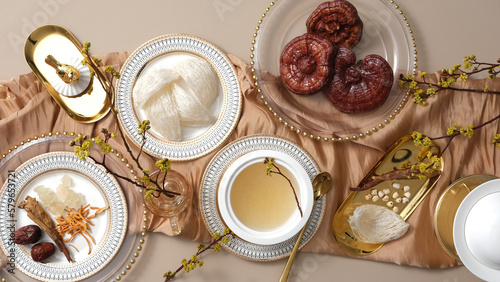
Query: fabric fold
{"points": [[26, 110]]}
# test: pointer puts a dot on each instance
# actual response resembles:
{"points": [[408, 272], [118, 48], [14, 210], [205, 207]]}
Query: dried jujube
{"points": [[337, 20], [306, 64], [42, 251], [28, 234], [359, 87]]}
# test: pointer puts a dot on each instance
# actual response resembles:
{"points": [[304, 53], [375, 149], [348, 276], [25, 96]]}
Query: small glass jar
{"points": [[170, 207]]}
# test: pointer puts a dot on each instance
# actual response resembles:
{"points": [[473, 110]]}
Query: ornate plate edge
{"points": [[123, 228], [228, 92], [318, 210]]}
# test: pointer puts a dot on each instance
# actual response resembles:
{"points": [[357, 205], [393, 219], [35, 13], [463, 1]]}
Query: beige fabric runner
{"points": [[26, 110]]}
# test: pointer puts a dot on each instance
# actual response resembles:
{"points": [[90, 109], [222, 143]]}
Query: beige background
{"points": [[445, 31]]}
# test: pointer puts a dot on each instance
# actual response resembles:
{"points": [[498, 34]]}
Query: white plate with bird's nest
{"points": [[98, 188], [187, 88]]}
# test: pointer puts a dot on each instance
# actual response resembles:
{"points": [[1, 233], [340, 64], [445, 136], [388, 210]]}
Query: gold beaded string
{"points": [[303, 133], [139, 248]]}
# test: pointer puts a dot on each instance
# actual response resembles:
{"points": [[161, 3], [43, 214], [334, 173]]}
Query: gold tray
{"points": [[447, 207], [93, 103], [401, 151]]}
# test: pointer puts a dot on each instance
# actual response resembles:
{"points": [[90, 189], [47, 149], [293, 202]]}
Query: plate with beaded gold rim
{"points": [[99, 189], [386, 32]]}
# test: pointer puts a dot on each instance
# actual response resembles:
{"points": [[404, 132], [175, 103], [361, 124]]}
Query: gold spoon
{"points": [[321, 185]]}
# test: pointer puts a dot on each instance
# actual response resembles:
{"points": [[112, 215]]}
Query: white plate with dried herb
{"points": [[63, 172]]}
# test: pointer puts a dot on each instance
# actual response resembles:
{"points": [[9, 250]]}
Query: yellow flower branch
{"points": [[83, 144], [272, 168], [191, 264], [449, 76]]}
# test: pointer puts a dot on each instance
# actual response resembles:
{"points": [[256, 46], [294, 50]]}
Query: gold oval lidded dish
{"points": [[410, 192], [55, 57]]}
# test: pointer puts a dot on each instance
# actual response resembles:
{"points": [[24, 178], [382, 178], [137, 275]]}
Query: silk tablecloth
{"points": [[26, 110]]}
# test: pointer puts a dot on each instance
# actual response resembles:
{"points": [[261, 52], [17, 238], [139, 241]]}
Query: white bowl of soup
{"points": [[260, 208]]}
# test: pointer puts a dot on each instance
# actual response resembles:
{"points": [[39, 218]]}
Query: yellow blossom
{"points": [[149, 192], [467, 131], [496, 140], [452, 130], [194, 258], [216, 236], [163, 165], [431, 91], [105, 148], [143, 127], [145, 179], [464, 76], [405, 164], [168, 274], [270, 165], [217, 248], [87, 144], [81, 153]]}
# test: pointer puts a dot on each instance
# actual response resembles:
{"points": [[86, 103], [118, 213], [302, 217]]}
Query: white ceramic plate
{"points": [[197, 141], [210, 185], [293, 224], [99, 188], [476, 231]]}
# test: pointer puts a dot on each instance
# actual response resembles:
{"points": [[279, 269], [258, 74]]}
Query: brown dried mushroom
{"points": [[306, 64], [362, 86], [337, 20]]}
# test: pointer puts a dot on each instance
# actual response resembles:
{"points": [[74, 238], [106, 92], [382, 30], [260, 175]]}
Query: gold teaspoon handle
{"points": [[51, 61], [289, 263]]}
